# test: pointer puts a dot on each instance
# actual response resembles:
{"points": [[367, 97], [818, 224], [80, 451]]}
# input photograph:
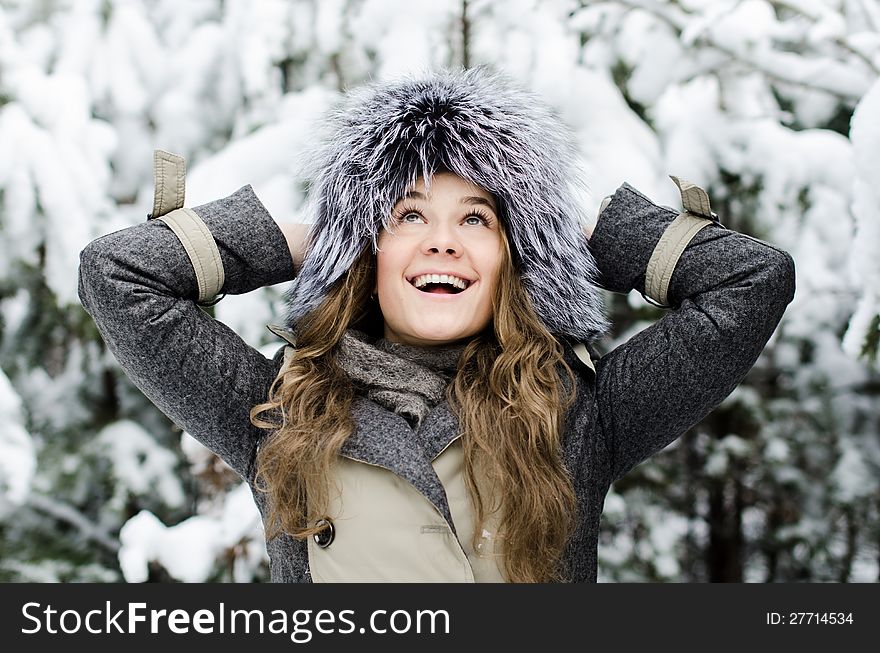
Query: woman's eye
{"points": [[412, 217]]}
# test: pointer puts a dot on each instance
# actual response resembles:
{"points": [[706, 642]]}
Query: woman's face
{"points": [[453, 230]]}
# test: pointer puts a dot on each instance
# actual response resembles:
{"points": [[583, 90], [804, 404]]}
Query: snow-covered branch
{"points": [[70, 515], [822, 73]]}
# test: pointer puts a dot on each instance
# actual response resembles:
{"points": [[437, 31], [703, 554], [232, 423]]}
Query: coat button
{"points": [[327, 535]]}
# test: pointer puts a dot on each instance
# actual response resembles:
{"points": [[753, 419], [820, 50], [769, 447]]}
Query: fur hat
{"points": [[486, 129]]}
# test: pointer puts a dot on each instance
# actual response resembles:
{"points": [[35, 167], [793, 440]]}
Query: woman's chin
{"points": [[432, 337]]}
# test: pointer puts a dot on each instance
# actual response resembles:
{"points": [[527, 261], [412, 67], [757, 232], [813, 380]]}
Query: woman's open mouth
{"points": [[440, 285], [439, 289]]}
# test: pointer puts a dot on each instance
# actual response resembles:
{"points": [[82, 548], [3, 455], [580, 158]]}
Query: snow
{"points": [[690, 122], [413, 36], [189, 550], [614, 505], [741, 26], [53, 397], [616, 145], [776, 451], [140, 465], [258, 32], [262, 159], [852, 478], [864, 267], [666, 532], [654, 52], [57, 183], [730, 447], [198, 455], [14, 309], [17, 452], [186, 550]]}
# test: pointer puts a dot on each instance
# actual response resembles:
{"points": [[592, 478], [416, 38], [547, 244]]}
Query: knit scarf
{"points": [[406, 379]]}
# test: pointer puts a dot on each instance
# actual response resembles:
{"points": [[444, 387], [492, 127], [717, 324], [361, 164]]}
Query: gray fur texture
{"points": [[486, 129]]}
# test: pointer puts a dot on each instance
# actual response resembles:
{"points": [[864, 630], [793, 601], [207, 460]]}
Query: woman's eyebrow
{"points": [[470, 200]]}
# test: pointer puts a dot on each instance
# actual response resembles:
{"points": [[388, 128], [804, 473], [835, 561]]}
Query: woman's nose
{"points": [[442, 239]]}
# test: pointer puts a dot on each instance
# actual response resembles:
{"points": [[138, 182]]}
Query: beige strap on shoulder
{"points": [[283, 332], [694, 199], [169, 172], [201, 248], [697, 215], [580, 350], [169, 175]]}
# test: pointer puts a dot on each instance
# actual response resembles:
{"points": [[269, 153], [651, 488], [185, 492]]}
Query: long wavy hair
{"points": [[509, 397]]}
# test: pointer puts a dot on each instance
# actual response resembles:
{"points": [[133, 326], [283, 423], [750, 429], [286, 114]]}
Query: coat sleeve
{"points": [[727, 293], [140, 287]]}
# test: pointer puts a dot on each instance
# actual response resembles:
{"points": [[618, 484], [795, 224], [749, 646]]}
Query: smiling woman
{"points": [[436, 412]]}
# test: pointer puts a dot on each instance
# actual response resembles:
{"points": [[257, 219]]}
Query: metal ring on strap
{"points": [[201, 248]]}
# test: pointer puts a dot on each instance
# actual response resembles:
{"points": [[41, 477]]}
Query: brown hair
{"points": [[507, 375]]}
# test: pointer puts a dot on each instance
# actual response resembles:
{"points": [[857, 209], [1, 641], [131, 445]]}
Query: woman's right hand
{"points": [[295, 234]]}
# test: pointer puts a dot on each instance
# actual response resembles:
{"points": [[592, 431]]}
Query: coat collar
{"points": [[385, 439]]}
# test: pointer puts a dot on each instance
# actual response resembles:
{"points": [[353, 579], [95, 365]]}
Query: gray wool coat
{"points": [[727, 293]]}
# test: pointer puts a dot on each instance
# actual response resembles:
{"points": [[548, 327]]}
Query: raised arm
{"points": [[141, 289], [296, 235], [727, 292]]}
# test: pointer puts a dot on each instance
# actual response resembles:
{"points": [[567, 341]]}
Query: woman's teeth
{"points": [[425, 279]]}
